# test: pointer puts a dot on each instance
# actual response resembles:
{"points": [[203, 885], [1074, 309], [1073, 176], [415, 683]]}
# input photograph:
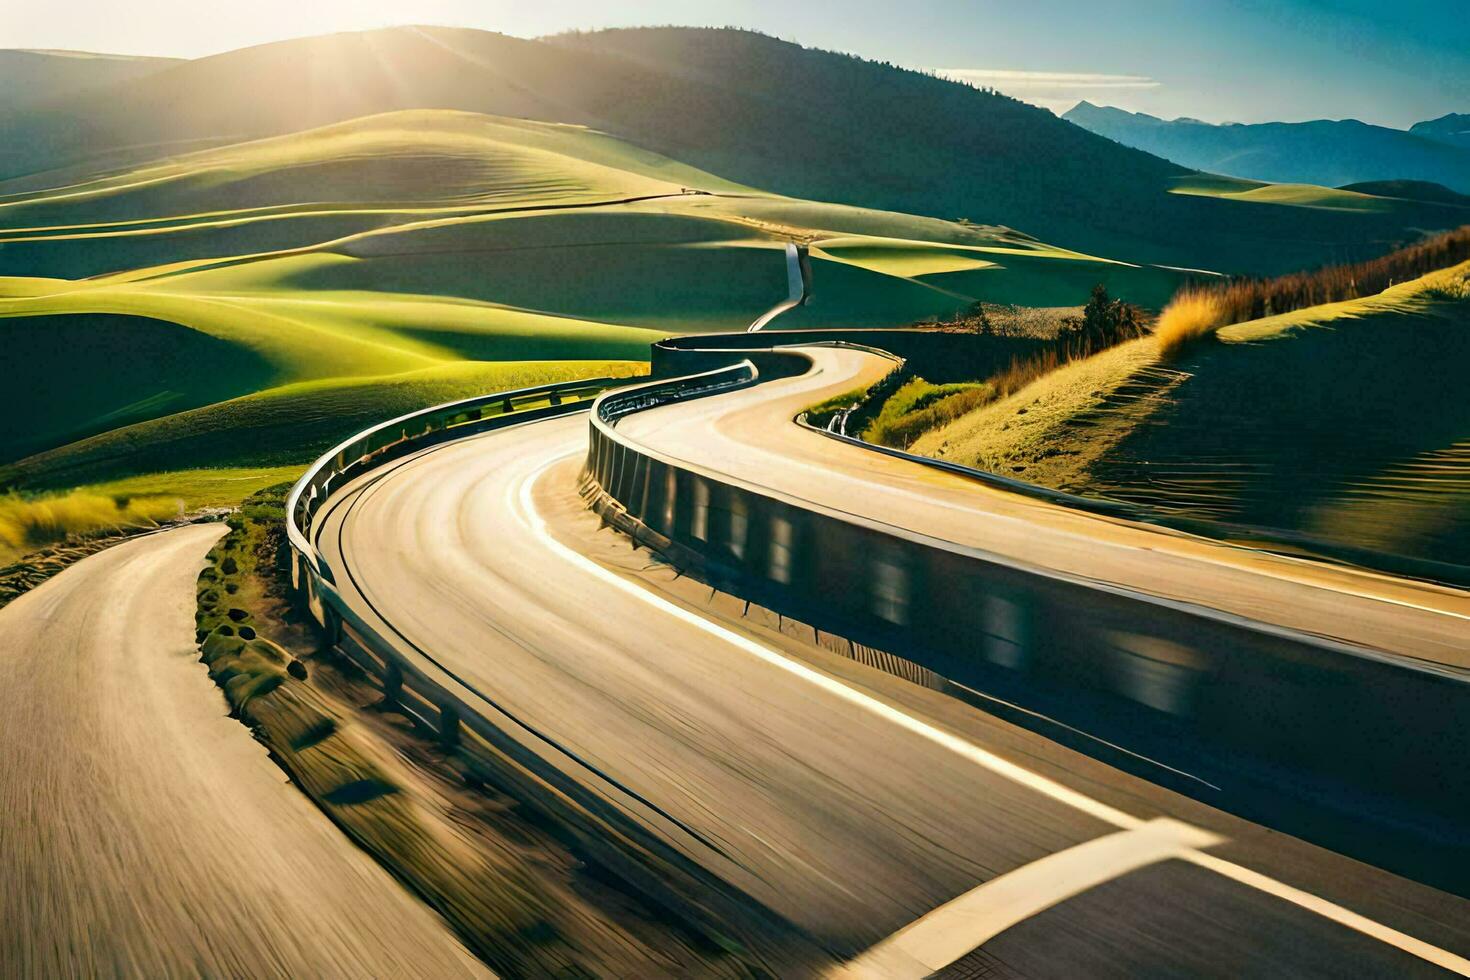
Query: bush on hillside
{"points": [[1105, 322]]}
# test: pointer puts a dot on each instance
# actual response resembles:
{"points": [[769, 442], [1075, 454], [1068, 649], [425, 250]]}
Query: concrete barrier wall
{"points": [[1268, 713]]}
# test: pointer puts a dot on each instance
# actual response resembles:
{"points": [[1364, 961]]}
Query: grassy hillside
{"points": [[865, 132], [762, 112], [1345, 422], [1413, 190], [513, 222], [282, 427], [239, 308], [1294, 195], [86, 373]]}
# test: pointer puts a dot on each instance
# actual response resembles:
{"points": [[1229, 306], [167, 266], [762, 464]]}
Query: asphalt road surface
{"points": [[904, 830], [144, 832]]}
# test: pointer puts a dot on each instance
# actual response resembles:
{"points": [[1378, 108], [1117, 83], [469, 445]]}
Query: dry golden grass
{"points": [[1198, 310], [30, 523], [1190, 316]]}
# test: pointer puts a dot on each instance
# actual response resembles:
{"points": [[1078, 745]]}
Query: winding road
{"points": [[145, 833], [747, 436], [904, 831]]}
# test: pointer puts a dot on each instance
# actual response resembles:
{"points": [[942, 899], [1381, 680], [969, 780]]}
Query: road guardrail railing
{"points": [[432, 701], [1262, 719], [494, 743]]}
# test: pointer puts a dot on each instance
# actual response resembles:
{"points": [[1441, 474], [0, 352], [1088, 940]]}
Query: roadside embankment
{"points": [[1339, 430]]}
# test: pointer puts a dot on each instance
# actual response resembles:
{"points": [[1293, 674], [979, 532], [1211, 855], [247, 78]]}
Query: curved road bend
{"points": [[847, 801], [145, 833], [748, 436]]}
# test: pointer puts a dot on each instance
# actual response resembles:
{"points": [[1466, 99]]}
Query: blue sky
{"points": [[1245, 60]]}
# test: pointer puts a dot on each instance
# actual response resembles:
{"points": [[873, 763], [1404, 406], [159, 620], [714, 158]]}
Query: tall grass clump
{"points": [[1452, 287], [1193, 313], [27, 523], [1197, 310], [919, 406]]}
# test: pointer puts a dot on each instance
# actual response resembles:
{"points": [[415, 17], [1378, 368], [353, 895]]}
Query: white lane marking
{"points": [[523, 503], [1338, 914], [953, 743], [955, 928]]}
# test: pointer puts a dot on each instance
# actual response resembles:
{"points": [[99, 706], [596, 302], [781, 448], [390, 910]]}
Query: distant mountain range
{"points": [[760, 111], [1327, 152], [1453, 129], [31, 77]]}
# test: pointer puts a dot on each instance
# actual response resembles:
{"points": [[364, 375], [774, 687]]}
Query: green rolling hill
{"points": [[212, 269], [408, 257], [765, 113]]}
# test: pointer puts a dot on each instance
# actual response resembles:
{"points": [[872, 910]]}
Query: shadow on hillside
{"points": [[1358, 432]]}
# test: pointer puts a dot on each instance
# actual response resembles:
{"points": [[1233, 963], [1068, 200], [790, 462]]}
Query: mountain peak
{"points": [[1453, 129], [1330, 152]]}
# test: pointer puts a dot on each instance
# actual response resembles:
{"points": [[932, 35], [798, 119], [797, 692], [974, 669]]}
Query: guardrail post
{"points": [[331, 625], [392, 684], [699, 512], [448, 727], [1004, 623]]}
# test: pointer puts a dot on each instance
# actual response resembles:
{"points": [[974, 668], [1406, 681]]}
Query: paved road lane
{"points": [[145, 833], [827, 799]]}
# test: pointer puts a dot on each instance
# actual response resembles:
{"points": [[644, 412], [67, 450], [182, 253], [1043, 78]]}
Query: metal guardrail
{"points": [[1324, 737], [491, 739], [313, 578], [415, 430]]}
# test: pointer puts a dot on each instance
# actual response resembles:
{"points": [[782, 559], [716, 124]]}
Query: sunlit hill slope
{"points": [[417, 244], [759, 111]]}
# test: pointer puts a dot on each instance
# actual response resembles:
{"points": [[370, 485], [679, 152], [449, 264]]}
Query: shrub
{"points": [[1190, 316], [1105, 322]]}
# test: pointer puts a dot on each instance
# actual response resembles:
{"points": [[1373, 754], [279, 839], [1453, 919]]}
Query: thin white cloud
{"points": [[1054, 90]]}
